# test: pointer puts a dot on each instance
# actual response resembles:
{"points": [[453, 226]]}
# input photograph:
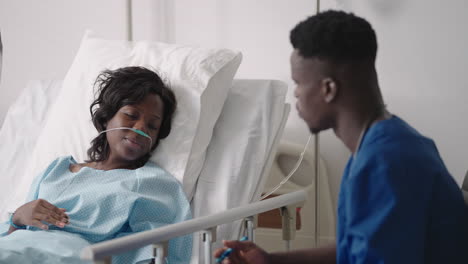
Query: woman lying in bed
{"points": [[116, 192]]}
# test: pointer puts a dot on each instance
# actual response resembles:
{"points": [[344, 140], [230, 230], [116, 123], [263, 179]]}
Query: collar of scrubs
{"points": [[366, 127]]}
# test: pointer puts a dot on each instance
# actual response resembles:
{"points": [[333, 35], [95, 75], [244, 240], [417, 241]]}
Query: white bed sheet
{"points": [[23, 122]]}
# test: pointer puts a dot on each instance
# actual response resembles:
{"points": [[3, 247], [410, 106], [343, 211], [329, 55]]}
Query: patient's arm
{"points": [[36, 212], [11, 230], [249, 253]]}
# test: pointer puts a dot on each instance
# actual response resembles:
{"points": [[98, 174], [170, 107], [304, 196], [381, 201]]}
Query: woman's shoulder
{"points": [[62, 160], [152, 166], [76, 167], [57, 165], [154, 180], [151, 170]]}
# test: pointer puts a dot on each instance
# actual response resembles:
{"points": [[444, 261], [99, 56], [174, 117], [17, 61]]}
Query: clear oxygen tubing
{"points": [[139, 132], [298, 163]]}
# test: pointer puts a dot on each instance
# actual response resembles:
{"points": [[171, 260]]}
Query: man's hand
{"points": [[243, 253], [38, 211]]}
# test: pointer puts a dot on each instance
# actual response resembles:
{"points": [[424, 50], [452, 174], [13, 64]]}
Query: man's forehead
{"points": [[299, 62], [311, 64]]}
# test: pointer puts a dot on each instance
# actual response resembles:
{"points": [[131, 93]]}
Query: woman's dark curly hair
{"points": [[336, 36], [126, 86]]}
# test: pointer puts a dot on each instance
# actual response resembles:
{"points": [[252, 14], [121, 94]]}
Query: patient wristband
{"points": [[13, 225]]}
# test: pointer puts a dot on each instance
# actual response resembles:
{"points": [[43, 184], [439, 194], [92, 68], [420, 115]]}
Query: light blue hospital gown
{"points": [[398, 203], [101, 205]]}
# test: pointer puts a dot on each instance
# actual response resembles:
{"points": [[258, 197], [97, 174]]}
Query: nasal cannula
{"points": [[139, 132]]}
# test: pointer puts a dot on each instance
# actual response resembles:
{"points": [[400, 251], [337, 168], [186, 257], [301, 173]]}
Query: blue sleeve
{"points": [[385, 203], [32, 194], [162, 202], [4, 227]]}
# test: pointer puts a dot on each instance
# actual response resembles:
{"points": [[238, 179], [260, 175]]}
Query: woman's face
{"points": [[126, 145]]}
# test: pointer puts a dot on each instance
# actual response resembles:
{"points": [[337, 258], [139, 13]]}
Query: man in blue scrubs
{"points": [[397, 203]]}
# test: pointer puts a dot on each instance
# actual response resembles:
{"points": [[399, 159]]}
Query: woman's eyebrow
{"points": [[139, 110]]}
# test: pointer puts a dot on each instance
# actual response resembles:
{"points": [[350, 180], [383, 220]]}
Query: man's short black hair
{"points": [[336, 36]]}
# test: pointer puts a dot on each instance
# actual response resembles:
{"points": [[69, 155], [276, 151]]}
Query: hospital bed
{"points": [[32, 106], [239, 142], [226, 167]]}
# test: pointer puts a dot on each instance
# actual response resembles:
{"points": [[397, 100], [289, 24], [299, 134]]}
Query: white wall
{"points": [[422, 63], [40, 38], [421, 59], [260, 30]]}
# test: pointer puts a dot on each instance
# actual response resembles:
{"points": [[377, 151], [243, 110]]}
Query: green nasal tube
{"points": [[140, 132]]}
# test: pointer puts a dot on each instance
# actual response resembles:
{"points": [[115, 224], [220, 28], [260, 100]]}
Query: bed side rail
{"points": [[102, 252]]}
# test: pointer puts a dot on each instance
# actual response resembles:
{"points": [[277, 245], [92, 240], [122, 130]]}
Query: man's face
{"points": [[311, 104]]}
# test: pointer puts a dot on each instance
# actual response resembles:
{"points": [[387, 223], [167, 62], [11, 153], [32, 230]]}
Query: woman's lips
{"points": [[134, 143]]}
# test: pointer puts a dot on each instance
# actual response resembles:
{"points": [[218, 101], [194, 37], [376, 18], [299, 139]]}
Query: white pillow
{"points": [[199, 77], [244, 139]]}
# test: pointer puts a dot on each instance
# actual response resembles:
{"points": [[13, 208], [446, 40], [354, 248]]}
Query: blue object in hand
{"points": [[228, 251]]}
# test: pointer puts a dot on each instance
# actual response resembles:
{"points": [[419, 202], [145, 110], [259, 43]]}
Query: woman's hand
{"points": [[38, 211], [243, 253]]}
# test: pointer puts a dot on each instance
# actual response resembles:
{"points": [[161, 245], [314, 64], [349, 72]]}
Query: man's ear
{"points": [[329, 89]]}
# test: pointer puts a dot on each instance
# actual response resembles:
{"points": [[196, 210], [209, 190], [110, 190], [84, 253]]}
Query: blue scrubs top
{"points": [[398, 203]]}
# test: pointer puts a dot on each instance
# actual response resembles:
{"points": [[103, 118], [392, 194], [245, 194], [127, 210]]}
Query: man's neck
{"points": [[351, 126]]}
